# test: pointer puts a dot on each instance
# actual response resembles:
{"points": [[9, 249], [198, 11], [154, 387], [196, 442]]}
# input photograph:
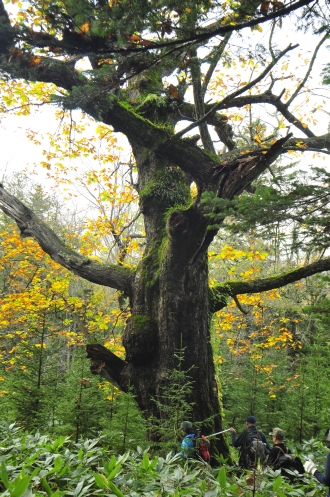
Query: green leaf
{"points": [[145, 461], [46, 486], [101, 480], [153, 463], [20, 486], [115, 490], [59, 442], [277, 483], [114, 472], [222, 479], [4, 475], [110, 465], [64, 470], [58, 463], [203, 486], [31, 459], [58, 493]]}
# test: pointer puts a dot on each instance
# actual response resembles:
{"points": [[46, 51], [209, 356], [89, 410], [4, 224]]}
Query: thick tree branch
{"points": [[239, 102], [265, 98], [219, 121], [45, 69], [312, 144], [107, 364], [30, 226], [237, 175], [203, 35], [189, 157], [234, 288], [7, 32]]}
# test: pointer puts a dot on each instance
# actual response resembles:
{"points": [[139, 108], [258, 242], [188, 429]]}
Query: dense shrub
{"points": [[36, 465]]}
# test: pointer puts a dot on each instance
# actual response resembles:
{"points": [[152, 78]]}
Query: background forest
{"points": [[272, 350]]}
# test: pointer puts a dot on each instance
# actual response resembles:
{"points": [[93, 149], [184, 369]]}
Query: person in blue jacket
{"points": [[188, 443], [312, 469]]}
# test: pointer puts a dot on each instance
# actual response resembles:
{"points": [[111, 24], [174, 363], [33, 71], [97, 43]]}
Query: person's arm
{"points": [[325, 479], [233, 435], [239, 442]]}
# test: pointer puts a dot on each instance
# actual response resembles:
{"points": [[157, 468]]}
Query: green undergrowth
{"points": [[34, 464]]}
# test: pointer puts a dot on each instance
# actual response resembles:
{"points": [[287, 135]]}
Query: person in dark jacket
{"points": [[279, 447], [241, 441], [312, 469]]}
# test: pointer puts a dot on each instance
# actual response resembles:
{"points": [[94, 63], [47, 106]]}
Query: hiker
{"points": [[251, 443], [280, 457], [188, 443], [203, 445], [312, 469], [278, 449]]}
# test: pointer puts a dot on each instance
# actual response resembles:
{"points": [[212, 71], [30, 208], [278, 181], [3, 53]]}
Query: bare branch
{"points": [[215, 57], [224, 103], [310, 144], [302, 84], [238, 305], [199, 100], [271, 39], [266, 98]]}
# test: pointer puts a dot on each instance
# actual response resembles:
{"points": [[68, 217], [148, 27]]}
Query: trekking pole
{"points": [[218, 433]]}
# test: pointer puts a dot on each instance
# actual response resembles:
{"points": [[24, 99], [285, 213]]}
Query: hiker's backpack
{"points": [[202, 448], [290, 462], [255, 448], [189, 451]]}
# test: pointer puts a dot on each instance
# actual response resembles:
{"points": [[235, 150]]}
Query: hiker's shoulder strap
{"points": [[278, 454]]}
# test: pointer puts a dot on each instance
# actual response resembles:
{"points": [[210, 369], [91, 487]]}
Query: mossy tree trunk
{"points": [[169, 297]]}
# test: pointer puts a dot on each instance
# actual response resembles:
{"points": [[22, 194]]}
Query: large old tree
{"points": [[133, 48]]}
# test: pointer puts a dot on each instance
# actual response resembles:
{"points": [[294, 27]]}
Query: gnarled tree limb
{"points": [[234, 288], [107, 364], [31, 226]]}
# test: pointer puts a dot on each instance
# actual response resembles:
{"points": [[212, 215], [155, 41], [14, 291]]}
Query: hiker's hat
{"points": [[278, 433], [186, 424], [251, 419]]}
